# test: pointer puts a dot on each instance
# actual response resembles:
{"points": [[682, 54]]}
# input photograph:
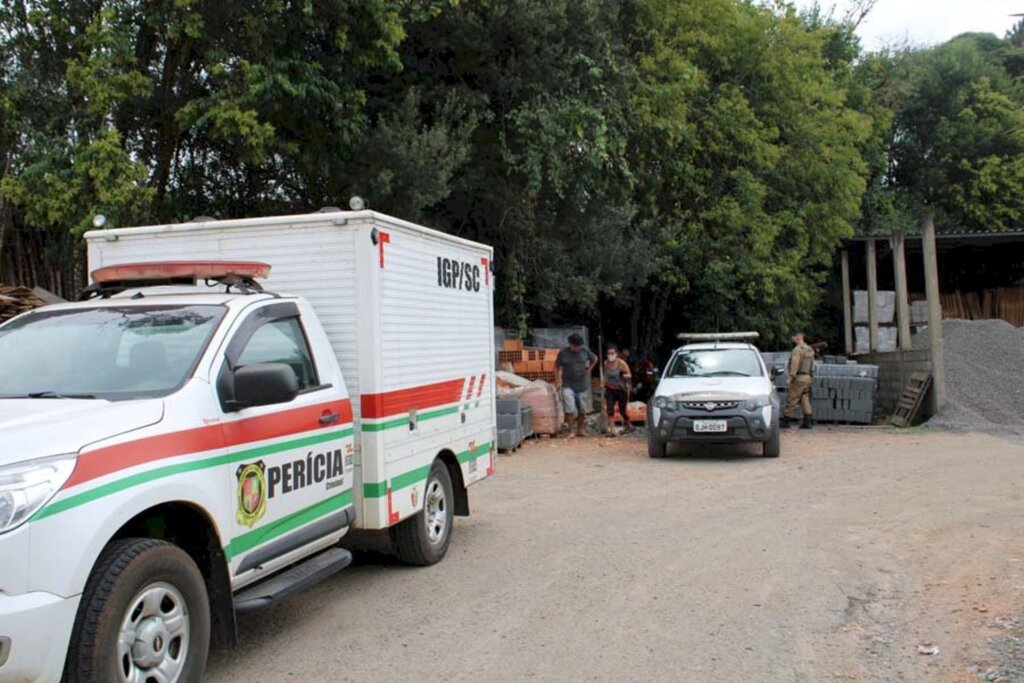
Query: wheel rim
{"points": [[437, 512], [152, 646]]}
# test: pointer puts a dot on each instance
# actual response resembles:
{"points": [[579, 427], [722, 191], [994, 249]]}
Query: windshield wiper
{"points": [[725, 373], [55, 394]]}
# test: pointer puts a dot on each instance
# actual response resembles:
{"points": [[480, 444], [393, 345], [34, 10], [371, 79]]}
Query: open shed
{"points": [[933, 276]]}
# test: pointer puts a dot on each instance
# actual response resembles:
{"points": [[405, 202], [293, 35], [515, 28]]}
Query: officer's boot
{"points": [[808, 422]]}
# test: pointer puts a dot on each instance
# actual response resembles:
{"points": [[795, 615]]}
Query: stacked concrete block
{"points": [[510, 424], [887, 336], [842, 392], [885, 306], [918, 312]]}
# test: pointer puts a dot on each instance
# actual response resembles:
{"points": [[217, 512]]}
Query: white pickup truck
{"points": [[195, 438]]}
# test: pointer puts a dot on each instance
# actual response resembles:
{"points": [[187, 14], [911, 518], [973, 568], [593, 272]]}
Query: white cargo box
{"points": [[408, 311]]}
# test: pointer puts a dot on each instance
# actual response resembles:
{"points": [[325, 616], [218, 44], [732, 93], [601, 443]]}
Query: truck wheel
{"points": [[772, 447], [655, 448], [423, 538], [144, 616]]}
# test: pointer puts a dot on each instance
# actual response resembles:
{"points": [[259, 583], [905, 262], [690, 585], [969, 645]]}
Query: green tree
{"points": [[752, 161], [953, 147]]}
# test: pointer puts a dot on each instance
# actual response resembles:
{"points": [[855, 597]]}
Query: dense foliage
{"points": [[640, 165]]}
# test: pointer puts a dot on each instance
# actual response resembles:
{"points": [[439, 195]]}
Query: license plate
{"points": [[710, 426]]}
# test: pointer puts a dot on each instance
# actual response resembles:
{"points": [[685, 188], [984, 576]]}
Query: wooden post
{"points": [[931, 288], [844, 255], [872, 296], [899, 264]]}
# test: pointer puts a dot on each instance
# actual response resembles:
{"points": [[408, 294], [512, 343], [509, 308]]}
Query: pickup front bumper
{"points": [[676, 425], [35, 629]]}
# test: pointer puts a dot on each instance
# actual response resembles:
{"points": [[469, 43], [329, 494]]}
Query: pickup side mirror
{"points": [[778, 371], [264, 384]]}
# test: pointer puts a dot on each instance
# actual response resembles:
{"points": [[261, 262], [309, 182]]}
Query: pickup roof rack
{"points": [[240, 275]]}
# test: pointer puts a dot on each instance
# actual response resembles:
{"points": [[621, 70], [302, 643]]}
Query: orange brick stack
{"points": [[531, 363]]}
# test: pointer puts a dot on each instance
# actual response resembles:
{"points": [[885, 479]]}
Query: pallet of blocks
{"points": [[540, 404], [842, 391]]}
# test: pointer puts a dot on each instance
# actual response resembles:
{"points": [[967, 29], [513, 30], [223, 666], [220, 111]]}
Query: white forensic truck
{"points": [[194, 439]]}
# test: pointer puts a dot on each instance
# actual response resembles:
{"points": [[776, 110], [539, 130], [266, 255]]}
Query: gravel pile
{"points": [[984, 376]]}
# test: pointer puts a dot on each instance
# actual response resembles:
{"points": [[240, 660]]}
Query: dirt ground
{"points": [[586, 560]]}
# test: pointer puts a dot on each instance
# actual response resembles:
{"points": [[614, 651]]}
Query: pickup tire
{"points": [[423, 538], [144, 608], [773, 446], [655, 448]]}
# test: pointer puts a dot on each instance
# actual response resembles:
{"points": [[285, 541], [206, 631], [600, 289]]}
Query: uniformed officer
{"points": [[801, 375]]}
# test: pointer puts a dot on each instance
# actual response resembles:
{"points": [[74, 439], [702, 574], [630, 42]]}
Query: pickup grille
{"points": [[710, 406]]}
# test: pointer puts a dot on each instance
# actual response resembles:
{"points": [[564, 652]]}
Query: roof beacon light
{"points": [[717, 336], [240, 275], [164, 271]]}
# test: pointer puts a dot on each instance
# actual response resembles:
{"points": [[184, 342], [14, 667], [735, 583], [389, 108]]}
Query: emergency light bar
{"points": [[241, 275], [717, 336], [180, 270]]}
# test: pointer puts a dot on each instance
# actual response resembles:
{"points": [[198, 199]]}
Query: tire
{"points": [[423, 539], [150, 589], [655, 448], [773, 446]]}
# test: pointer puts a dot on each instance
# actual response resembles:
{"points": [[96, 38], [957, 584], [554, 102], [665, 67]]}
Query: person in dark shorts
{"points": [[617, 379], [574, 364]]}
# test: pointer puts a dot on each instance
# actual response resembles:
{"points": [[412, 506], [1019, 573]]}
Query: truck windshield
{"points": [[716, 363], [108, 353]]}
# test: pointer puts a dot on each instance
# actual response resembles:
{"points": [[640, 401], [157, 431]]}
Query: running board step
{"points": [[301, 576]]}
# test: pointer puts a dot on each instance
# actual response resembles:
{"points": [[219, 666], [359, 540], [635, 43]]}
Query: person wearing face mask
{"points": [[617, 378]]}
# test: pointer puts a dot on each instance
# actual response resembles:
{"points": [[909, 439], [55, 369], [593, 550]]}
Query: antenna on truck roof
{"points": [[240, 275]]}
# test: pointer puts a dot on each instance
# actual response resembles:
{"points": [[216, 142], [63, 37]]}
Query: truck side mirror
{"points": [[264, 384], [778, 371]]}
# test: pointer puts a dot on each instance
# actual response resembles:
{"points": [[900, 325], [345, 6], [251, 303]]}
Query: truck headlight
{"points": [[755, 403], [664, 403], [28, 486]]}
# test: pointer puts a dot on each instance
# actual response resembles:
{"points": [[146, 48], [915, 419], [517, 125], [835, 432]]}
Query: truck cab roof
{"points": [[170, 296]]}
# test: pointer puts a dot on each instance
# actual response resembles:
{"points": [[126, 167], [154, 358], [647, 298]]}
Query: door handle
{"points": [[329, 418]]}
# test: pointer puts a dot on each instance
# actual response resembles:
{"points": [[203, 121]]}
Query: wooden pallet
{"points": [[913, 396]]}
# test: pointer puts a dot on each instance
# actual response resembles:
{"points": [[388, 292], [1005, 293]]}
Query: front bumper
{"points": [[35, 629], [676, 425]]}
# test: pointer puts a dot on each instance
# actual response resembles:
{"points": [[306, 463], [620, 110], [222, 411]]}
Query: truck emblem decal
{"points": [[252, 493]]}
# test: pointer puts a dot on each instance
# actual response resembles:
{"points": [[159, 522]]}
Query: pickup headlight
{"points": [[28, 486], [664, 403], [755, 403]]}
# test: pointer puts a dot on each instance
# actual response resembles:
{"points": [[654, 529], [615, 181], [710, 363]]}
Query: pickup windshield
{"points": [[716, 363], [108, 353]]}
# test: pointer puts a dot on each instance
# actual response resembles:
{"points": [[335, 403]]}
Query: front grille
{"points": [[710, 406]]}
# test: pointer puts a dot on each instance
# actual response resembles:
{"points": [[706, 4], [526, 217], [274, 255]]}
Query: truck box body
{"points": [[408, 312]]}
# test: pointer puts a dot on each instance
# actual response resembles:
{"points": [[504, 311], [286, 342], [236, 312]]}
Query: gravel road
{"points": [[585, 560]]}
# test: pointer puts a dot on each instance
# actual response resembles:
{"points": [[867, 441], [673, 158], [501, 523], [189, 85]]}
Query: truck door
{"points": [[291, 477]]}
